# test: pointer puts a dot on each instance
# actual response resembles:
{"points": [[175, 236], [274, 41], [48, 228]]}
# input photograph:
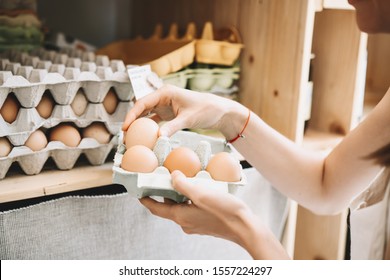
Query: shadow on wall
{"points": [[97, 22]]}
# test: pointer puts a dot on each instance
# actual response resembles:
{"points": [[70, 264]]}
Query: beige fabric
{"points": [[370, 220], [119, 227]]}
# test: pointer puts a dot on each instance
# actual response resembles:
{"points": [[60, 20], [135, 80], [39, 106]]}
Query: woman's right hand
{"points": [[183, 108]]}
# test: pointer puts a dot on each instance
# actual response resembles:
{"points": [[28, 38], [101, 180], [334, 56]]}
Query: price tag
{"points": [[139, 80]]}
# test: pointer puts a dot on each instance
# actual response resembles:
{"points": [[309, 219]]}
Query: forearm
{"points": [[293, 171], [259, 241], [324, 184]]}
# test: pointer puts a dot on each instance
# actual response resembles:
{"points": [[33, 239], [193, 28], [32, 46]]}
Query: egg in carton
{"points": [[63, 156], [30, 94], [158, 182], [28, 119]]}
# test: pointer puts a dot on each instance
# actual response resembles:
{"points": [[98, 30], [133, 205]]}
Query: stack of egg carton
{"points": [[216, 67], [28, 76]]}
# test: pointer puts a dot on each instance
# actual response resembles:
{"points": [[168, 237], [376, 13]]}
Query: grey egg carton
{"points": [[30, 75], [64, 157], [28, 120], [158, 182], [29, 83]]}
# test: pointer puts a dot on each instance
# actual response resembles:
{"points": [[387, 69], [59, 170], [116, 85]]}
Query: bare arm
{"points": [[323, 184]]}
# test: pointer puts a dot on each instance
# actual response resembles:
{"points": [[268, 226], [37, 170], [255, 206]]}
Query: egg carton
{"points": [[64, 157], [220, 51], [214, 80], [164, 55], [29, 78], [28, 120], [158, 182]]}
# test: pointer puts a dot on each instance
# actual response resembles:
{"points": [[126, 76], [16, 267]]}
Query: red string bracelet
{"points": [[240, 135]]}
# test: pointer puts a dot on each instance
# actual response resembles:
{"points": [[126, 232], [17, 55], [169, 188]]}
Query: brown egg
{"points": [[183, 159], [9, 110], [139, 158], [111, 101], [66, 134], [45, 106], [97, 131], [224, 167], [36, 141], [5, 147], [79, 103], [142, 131]]}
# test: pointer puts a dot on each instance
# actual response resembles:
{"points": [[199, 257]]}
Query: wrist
{"points": [[259, 241], [233, 121]]}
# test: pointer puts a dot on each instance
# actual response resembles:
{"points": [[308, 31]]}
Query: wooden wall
{"points": [[275, 61]]}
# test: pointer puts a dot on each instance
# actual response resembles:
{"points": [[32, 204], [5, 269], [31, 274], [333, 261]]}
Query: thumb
{"points": [[170, 127], [182, 185]]}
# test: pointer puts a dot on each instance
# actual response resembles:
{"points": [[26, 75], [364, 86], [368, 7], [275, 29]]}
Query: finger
{"points": [[184, 186], [143, 105], [158, 208], [169, 201], [213, 201], [170, 127]]}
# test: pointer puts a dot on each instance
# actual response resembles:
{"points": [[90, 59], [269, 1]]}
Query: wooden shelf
{"points": [[20, 186]]}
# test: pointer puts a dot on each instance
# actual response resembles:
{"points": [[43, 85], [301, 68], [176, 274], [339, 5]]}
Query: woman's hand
{"points": [[183, 108], [218, 214]]}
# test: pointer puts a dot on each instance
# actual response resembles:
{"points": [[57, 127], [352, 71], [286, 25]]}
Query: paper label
{"points": [[139, 80]]}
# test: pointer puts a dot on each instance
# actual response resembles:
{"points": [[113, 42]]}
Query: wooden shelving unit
{"points": [[53, 181]]}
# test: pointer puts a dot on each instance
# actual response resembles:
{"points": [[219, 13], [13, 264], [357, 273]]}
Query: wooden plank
{"points": [[275, 65], [339, 62], [378, 64], [320, 237], [19, 186]]}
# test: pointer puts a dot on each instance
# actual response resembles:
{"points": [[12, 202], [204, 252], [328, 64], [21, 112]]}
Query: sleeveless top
{"points": [[370, 220]]}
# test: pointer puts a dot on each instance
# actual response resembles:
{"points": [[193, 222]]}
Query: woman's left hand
{"points": [[212, 212]]}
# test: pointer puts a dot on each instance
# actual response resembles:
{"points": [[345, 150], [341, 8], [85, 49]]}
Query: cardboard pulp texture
{"points": [[224, 51], [29, 76], [64, 157], [28, 82], [165, 55], [158, 182], [213, 80]]}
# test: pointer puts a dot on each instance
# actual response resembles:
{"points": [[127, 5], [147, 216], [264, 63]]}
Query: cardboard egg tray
{"points": [[221, 51], [173, 53], [28, 120], [28, 82], [165, 55], [215, 80], [30, 75], [64, 157], [158, 182]]}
